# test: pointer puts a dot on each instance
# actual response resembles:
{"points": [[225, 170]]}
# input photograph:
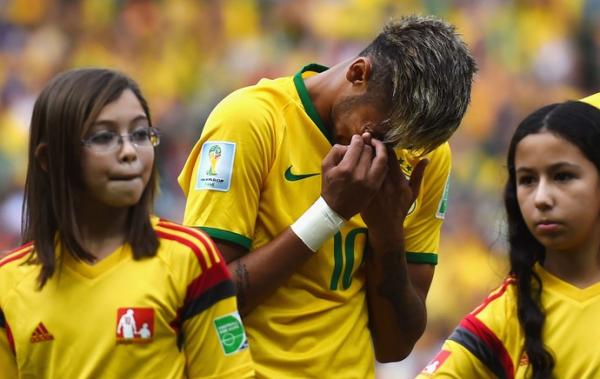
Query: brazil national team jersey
{"points": [[170, 316], [489, 342], [255, 170]]}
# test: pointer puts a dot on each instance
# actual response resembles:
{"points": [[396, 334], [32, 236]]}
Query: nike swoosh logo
{"points": [[289, 176]]}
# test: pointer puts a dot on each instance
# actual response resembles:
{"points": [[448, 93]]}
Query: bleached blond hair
{"points": [[422, 73]]}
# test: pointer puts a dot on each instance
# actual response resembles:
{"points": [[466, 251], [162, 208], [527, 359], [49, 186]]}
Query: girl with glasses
{"points": [[101, 287]]}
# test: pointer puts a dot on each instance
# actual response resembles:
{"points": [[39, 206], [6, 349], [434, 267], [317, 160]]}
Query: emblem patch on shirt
{"points": [[231, 333], [41, 334], [215, 166], [436, 362], [443, 205], [135, 325]]}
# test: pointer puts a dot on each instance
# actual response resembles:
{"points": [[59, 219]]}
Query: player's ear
{"points": [[41, 155], [359, 71]]}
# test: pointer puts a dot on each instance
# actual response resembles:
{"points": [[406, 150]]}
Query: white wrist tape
{"points": [[317, 224]]}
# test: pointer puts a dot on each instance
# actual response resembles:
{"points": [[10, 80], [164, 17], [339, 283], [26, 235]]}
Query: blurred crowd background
{"points": [[187, 55]]}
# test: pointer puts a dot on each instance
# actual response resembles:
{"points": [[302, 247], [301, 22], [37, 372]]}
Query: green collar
{"points": [[305, 98]]}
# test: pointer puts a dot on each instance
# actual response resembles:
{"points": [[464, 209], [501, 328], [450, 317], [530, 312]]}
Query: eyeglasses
{"points": [[108, 141]]}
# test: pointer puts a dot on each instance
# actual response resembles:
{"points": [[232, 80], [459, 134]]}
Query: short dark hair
{"points": [[422, 72], [63, 112], [578, 123]]}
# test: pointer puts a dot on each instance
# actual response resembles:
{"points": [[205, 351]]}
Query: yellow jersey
{"points": [[255, 170], [489, 342], [592, 100], [173, 315]]}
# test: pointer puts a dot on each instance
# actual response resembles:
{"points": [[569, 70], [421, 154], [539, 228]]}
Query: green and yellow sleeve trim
{"points": [[228, 236], [427, 258]]}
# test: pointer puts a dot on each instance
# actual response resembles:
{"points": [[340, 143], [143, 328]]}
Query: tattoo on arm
{"points": [[242, 283]]}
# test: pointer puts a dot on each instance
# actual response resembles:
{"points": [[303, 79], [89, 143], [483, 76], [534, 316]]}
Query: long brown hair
{"points": [[578, 123], [62, 114]]}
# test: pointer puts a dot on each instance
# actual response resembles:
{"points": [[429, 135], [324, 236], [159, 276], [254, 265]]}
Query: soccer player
{"points": [[542, 321], [313, 187], [102, 288]]}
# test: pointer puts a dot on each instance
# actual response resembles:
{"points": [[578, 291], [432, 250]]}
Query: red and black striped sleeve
{"points": [[476, 337], [482, 342], [214, 281]]}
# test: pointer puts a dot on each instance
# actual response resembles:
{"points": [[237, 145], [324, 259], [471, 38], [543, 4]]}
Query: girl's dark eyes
{"points": [[140, 135], [102, 138], [563, 176], [525, 180], [559, 177], [107, 140]]}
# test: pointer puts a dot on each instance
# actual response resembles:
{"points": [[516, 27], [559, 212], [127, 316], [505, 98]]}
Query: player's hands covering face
{"points": [[365, 177], [353, 174], [389, 206]]}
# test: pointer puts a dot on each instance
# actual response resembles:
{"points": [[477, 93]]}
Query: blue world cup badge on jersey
{"points": [[216, 166]]}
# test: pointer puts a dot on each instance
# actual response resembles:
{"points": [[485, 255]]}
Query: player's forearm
{"points": [[257, 274], [397, 311]]}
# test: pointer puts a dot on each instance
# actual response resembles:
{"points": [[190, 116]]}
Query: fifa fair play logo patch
{"points": [[215, 166], [231, 333], [135, 325], [436, 362]]}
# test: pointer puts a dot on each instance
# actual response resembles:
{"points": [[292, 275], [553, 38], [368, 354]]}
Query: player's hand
{"points": [[353, 174], [387, 210]]}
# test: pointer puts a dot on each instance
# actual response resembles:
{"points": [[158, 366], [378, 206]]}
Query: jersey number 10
{"points": [[343, 253]]}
